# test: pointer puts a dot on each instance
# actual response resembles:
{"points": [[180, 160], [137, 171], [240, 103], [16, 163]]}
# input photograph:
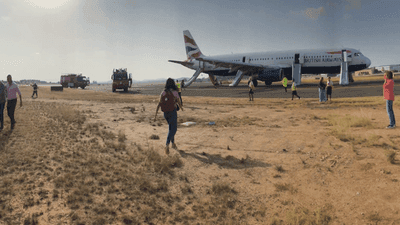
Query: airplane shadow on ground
{"points": [[229, 162]]}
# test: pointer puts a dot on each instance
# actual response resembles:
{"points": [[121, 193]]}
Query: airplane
{"points": [[268, 66]]}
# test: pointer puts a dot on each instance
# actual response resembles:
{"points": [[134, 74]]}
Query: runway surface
{"points": [[356, 89]]}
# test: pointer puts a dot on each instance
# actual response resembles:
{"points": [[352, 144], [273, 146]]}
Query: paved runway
{"points": [[356, 89]]}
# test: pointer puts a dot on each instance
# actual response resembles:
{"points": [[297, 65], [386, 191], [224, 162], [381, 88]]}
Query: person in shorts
{"points": [[329, 87], [251, 89]]}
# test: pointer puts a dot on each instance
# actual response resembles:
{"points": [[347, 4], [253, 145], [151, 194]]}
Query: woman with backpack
{"points": [[170, 103]]}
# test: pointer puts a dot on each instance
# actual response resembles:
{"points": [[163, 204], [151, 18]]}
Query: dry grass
{"points": [[349, 121], [63, 169], [391, 157], [301, 215], [280, 169], [86, 174], [285, 187]]}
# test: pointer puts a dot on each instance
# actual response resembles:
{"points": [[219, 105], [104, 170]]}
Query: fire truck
{"points": [[121, 80], [74, 80]]}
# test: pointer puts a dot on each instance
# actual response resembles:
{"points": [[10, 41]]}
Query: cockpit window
{"points": [[356, 54]]}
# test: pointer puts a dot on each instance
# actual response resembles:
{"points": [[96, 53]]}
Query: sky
{"points": [[42, 39]]}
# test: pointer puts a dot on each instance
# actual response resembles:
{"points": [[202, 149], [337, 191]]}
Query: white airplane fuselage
{"points": [[270, 66], [312, 61]]}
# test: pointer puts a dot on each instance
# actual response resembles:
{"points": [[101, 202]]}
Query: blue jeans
{"points": [[172, 119], [389, 109], [322, 97], [1, 114]]}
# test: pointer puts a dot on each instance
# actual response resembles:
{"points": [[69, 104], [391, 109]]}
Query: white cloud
{"points": [[6, 18]]}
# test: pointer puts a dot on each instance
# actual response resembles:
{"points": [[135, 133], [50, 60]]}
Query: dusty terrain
{"points": [[86, 157]]}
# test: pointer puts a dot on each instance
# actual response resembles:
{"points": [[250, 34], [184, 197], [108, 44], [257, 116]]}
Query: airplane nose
{"points": [[367, 61]]}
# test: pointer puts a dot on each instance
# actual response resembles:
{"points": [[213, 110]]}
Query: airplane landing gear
{"points": [[255, 82], [268, 82]]}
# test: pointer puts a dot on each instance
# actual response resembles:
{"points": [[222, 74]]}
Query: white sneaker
{"points": [[390, 127]]}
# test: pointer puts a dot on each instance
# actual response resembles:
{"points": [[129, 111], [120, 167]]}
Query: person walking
{"points": [[321, 89], [388, 94], [3, 98], [251, 89], [284, 83], [35, 87], [329, 87], [178, 85], [294, 89], [182, 84], [12, 90], [170, 103]]}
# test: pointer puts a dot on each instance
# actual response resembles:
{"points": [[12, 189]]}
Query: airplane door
{"points": [[296, 58], [244, 59], [201, 65], [344, 55]]}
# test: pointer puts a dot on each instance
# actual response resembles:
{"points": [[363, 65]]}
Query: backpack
{"points": [[167, 102]]}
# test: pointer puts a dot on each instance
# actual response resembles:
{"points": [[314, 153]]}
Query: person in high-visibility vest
{"points": [[294, 90], [284, 83], [178, 85]]}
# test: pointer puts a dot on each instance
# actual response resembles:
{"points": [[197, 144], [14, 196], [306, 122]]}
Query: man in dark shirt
{"points": [[35, 87]]}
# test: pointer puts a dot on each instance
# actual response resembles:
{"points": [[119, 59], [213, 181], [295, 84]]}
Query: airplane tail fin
{"points": [[192, 50]]}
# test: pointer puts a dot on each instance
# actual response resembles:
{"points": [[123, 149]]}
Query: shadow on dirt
{"points": [[129, 92], [4, 137], [229, 162]]}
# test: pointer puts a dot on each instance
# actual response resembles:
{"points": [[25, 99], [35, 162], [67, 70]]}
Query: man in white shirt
{"points": [[12, 90]]}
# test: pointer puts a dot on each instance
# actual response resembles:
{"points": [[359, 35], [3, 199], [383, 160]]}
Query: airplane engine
{"points": [[269, 76]]}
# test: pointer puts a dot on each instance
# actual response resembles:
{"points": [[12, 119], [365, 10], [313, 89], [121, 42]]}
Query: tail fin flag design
{"points": [[192, 50]]}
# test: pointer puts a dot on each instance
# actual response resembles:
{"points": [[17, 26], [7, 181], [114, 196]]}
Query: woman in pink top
{"points": [[388, 94], [12, 90]]}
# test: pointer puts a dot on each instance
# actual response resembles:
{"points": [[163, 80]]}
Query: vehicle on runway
{"points": [[120, 79], [74, 80], [269, 66]]}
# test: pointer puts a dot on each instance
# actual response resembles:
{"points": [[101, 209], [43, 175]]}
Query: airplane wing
{"points": [[235, 66], [184, 63]]}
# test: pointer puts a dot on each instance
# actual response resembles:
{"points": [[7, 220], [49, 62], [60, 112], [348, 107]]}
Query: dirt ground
{"points": [[86, 157]]}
